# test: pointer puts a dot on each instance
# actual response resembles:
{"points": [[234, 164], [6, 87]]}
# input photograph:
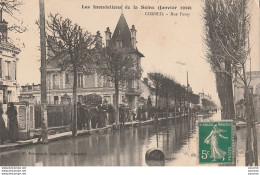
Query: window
{"points": [[67, 78], [107, 82], [9, 96], [80, 80], [55, 81], [56, 100], [14, 70], [90, 81], [251, 90], [100, 81], [8, 77]]}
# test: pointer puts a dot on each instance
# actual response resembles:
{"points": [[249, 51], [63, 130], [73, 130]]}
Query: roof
{"points": [[122, 32], [9, 46], [51, 64]]}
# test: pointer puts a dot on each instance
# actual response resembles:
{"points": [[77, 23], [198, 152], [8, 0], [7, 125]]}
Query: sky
{"points": [[165, 40]]}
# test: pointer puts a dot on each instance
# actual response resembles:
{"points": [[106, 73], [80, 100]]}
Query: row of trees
{"points": [[227, 27], [169, 89], [208, 105], [75, 50]]}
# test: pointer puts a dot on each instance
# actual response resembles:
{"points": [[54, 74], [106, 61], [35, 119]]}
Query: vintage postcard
{"points": [[129, 83]]}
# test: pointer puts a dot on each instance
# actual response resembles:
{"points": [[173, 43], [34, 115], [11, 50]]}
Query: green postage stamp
{"points": [[216, 142]]}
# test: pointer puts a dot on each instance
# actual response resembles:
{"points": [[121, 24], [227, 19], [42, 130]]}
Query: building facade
{"points": [[60, 83], [254, 88], [9, 90], [202, 95]]}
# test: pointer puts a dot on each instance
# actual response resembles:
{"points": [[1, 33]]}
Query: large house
{"points": [[9, 90], [60, 83]]}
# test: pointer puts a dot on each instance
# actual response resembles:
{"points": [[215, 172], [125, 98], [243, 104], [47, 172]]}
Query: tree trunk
{"points": [[44, 117], [167, 107], [180, 111], [74, 116], [254, 131], [230, 110], [117, 101], [175, 103], [249, 151], [156, 96], [184, 105], [220, 83]]}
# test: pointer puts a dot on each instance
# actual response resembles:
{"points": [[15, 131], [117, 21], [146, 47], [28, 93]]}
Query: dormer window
{"points": [[119, 43]]}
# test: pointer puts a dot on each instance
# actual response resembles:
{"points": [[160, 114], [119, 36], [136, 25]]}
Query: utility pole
{"points": [[188, 95], [44, 118]]}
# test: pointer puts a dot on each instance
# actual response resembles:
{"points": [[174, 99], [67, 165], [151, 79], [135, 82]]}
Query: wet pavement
{"points": [[178, 139]]}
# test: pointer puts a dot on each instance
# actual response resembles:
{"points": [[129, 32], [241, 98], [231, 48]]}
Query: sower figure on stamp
{"points": [[212, 139], [13, 123]]}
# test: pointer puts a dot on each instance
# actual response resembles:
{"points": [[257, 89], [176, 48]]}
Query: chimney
{"points": [[133, 36], [3, 28], [98, 40], [108, 36]]}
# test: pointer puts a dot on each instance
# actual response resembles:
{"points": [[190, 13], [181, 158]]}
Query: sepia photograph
{"points": [[129, 83]]}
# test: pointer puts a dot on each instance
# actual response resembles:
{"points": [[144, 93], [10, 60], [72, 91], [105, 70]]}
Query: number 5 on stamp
{"points": [[216, 142]]}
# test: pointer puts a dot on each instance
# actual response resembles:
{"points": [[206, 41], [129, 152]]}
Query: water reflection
{"points": [[115, 148]]}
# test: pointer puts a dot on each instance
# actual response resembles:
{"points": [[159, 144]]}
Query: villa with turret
{"points": [[60, 83]]}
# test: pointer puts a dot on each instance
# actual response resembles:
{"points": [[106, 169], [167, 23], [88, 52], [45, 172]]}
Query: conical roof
{"points": [[122, 33]]}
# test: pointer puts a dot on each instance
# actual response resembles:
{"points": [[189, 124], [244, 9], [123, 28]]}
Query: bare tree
{"points": [[168, 88], [71, 49], [227, 26], [156, 79], [11, 7]]}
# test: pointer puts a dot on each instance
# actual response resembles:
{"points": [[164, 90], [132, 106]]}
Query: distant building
{"points": [[254, 89], [60, 83], [9, 90], [146, 91], [202, 95]]}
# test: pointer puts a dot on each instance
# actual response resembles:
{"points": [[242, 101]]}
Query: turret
{"points": [[3, 28], [108, 36], [98, 40]]}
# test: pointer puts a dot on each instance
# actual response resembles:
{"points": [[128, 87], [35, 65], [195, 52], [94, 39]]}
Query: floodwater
{"points": [[178, 140]]}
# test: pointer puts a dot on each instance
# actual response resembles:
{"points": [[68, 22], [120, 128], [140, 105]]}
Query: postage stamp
{"points": [[216, 142]]}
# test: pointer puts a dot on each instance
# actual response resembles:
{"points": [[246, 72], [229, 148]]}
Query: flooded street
{"points": [[178, 140]]}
